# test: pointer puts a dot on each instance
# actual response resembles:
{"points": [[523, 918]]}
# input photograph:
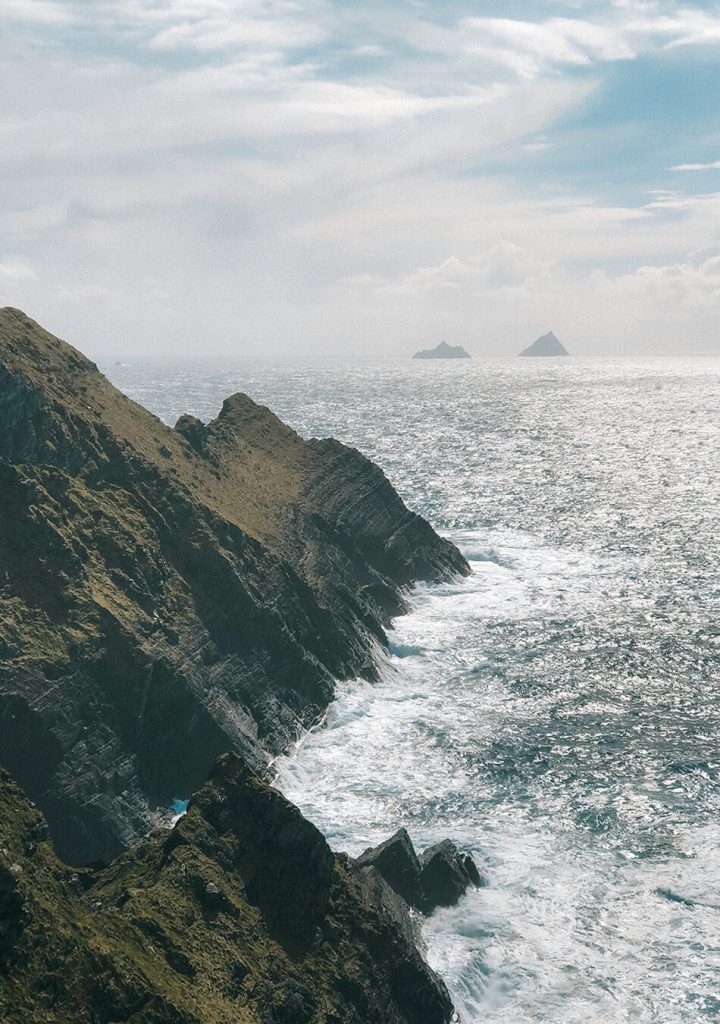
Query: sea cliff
{"points": [[242, 913], [167, 596]]}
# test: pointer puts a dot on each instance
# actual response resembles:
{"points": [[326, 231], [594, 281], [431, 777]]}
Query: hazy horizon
{"points": [[260, 178]]}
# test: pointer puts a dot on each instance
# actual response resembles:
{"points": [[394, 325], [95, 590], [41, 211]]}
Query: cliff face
{"points": [[241, 913], [167, 595]]}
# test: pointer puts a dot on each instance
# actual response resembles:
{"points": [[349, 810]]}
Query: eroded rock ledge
{"points": [[167, 595], [241, 913]]}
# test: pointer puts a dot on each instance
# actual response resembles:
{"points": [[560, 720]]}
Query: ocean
{"points": [[558, 712]]}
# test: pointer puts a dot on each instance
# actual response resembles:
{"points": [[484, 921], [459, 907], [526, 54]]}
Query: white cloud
{"points": [[688, 26], [527, 47], [13, 269], [38, 12], [713, 166], [530, 48], [505, 265], [693, 281], [227, 33], [198, 173]]}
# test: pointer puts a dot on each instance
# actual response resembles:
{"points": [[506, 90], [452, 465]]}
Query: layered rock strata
{"points": [[242, 913], [167, 595]]}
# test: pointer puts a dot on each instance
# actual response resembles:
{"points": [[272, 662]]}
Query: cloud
{"points": [[713, 166], [505, 265], [689, 26], [292, 177], [13, 269], [234, 33], [693, 281], [38, 12], [531, 48], [527, 47]]}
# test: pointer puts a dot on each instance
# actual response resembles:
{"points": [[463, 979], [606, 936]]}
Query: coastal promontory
{"points": [[175, 607]]}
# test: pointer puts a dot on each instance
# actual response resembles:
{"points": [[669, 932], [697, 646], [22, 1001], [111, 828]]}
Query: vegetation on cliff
{"points": [[167, 595], [242, 913]]}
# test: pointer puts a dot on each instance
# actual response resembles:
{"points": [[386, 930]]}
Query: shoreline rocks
{"points": [[241, 912], [439, 877], [167, 596]]}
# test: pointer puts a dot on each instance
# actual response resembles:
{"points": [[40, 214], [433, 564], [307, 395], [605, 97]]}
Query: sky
{"points": [[239, 178]]}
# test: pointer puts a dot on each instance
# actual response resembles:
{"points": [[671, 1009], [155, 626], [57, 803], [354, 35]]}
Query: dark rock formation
{"points": [[397, 862], [167, 595], [443, 351], [447, 874], [241, 913], [436, 879], [547, 345]]}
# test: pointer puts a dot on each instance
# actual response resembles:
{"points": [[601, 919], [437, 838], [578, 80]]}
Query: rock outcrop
{"points": [[167, 595], [438, 878], [547, 345], [241, 913], [443, 351], [447, 874]]}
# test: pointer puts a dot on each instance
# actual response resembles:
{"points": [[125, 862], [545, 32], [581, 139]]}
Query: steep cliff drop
{"points": [[166, 596], [242, 913]]}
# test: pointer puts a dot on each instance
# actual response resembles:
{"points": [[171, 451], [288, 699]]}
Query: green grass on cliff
{"points": [[240, 914]]}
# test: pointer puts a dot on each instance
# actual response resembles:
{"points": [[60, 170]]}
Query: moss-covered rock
{"points": [[170, 594], [240, 913]]}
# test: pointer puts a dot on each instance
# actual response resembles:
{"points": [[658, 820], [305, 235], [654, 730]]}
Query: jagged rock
{"points": [[169, 594], [547, 345], [443, 351], [397, 862], [438, 878], [447, 874], [141, 947], [193, 430]]}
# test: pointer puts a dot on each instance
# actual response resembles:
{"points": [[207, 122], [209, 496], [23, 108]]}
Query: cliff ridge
{"points": [[167, 595]]}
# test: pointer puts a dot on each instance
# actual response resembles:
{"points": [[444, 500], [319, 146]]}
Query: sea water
{"points": [[557, 712]]}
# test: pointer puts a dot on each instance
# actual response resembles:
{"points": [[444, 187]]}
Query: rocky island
{"points": [[443, 351], [175, 605], [546, 345]]}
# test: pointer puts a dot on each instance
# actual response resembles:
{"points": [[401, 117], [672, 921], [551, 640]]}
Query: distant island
{"points": [[443, 351], [547, 345]]}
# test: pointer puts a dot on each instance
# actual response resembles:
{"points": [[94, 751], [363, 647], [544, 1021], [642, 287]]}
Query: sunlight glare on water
{"points": [[557, 712]]}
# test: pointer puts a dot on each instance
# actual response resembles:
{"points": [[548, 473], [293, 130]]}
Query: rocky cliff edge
{"points": [[167, 595], [242, 913]]}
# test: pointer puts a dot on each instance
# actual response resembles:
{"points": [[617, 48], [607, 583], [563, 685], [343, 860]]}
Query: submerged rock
{"points": [[547, 345], [241, 913], [443, 351]]}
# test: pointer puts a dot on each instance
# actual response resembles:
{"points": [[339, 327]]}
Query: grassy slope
{"points": [[241, 913]]}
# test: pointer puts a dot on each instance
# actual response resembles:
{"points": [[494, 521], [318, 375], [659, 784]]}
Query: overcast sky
{"points": [[310, 178]]}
